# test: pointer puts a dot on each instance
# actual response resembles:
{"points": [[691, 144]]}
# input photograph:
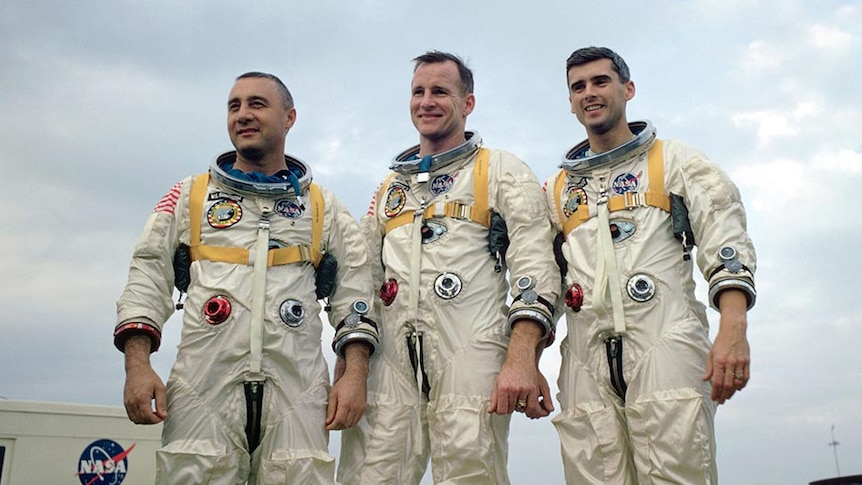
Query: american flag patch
{"points": [[372, 204], [169, 201], [374, 198]]}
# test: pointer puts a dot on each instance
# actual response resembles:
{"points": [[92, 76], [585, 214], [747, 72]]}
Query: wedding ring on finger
{"points": [[521, 405], [738, 376]]}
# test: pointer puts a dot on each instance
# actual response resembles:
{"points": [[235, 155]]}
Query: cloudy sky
{"points": [[105, 105]]}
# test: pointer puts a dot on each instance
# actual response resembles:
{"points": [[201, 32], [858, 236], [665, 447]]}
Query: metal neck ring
{"points": [[579, 157], [407, 162]]}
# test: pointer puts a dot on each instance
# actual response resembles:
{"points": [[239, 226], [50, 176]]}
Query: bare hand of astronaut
{"points": [[143, 385], [728, 364], [520, 387], [348, 395]]}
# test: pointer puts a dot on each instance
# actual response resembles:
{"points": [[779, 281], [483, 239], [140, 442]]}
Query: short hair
{"points": [[286, 97], [589, 54], [434, 57]]}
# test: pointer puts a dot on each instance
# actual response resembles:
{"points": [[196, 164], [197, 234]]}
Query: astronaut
{"points": [[637, 404], [255, 244], [455, 359]]}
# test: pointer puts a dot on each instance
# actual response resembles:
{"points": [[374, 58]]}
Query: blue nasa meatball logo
{"points": [[103, 462], [441, 184], [625, 182], [289, 208]]}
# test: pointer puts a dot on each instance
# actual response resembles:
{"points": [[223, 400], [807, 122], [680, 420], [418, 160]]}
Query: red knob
{"points": [[388, 291], [575, 297], [216, 310]]}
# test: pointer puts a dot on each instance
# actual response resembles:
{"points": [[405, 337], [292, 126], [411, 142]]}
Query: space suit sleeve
{"points": [[725, 253], [560, 248], [352, 302], [146, 302], [534, 276], [372, 232]]}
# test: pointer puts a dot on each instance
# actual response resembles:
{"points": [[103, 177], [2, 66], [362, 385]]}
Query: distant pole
{"points": [[834, 445]]}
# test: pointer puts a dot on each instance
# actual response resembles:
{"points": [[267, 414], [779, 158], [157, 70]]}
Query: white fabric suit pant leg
{"points": [[662, 434]]}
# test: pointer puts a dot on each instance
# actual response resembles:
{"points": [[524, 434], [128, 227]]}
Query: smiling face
{"points": [[439, 106], [598, 100], [257, 122]]}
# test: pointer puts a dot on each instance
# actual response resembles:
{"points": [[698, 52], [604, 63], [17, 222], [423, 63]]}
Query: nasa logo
{"points": [[288, 208], [103, 462], [441, 184], [625, 182]]}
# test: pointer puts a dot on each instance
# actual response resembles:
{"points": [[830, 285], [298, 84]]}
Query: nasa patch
{"points": [[289, 208], [575, 196], [396, 197], [102, 459], [441, 184], [224, 213], [625, 182]]}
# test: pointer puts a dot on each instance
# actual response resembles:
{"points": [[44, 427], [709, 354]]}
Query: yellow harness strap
{"points": [[236, 255], [654, 197], [477, 213]]}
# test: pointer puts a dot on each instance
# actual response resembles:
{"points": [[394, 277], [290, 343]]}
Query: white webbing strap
{"points": [[413, 314], [607, 274], [258, 298]]}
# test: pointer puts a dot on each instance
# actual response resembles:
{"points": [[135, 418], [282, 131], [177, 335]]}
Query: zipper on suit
{"points": [[614, 348], [254, 407], [417, 360]]}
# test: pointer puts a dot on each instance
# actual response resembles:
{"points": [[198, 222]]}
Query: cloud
{"points": [[761, 56], [768, 124], [841, 163], [829, 37]]}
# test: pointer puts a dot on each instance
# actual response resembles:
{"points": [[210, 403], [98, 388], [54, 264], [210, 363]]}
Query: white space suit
{"points": [[445, 332], [634, 407], [247, 395]]}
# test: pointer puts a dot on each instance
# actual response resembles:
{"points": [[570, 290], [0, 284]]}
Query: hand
{"points": [[143, 385], [519, 385], [729, 360], [347, 399], [516, 389]]}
